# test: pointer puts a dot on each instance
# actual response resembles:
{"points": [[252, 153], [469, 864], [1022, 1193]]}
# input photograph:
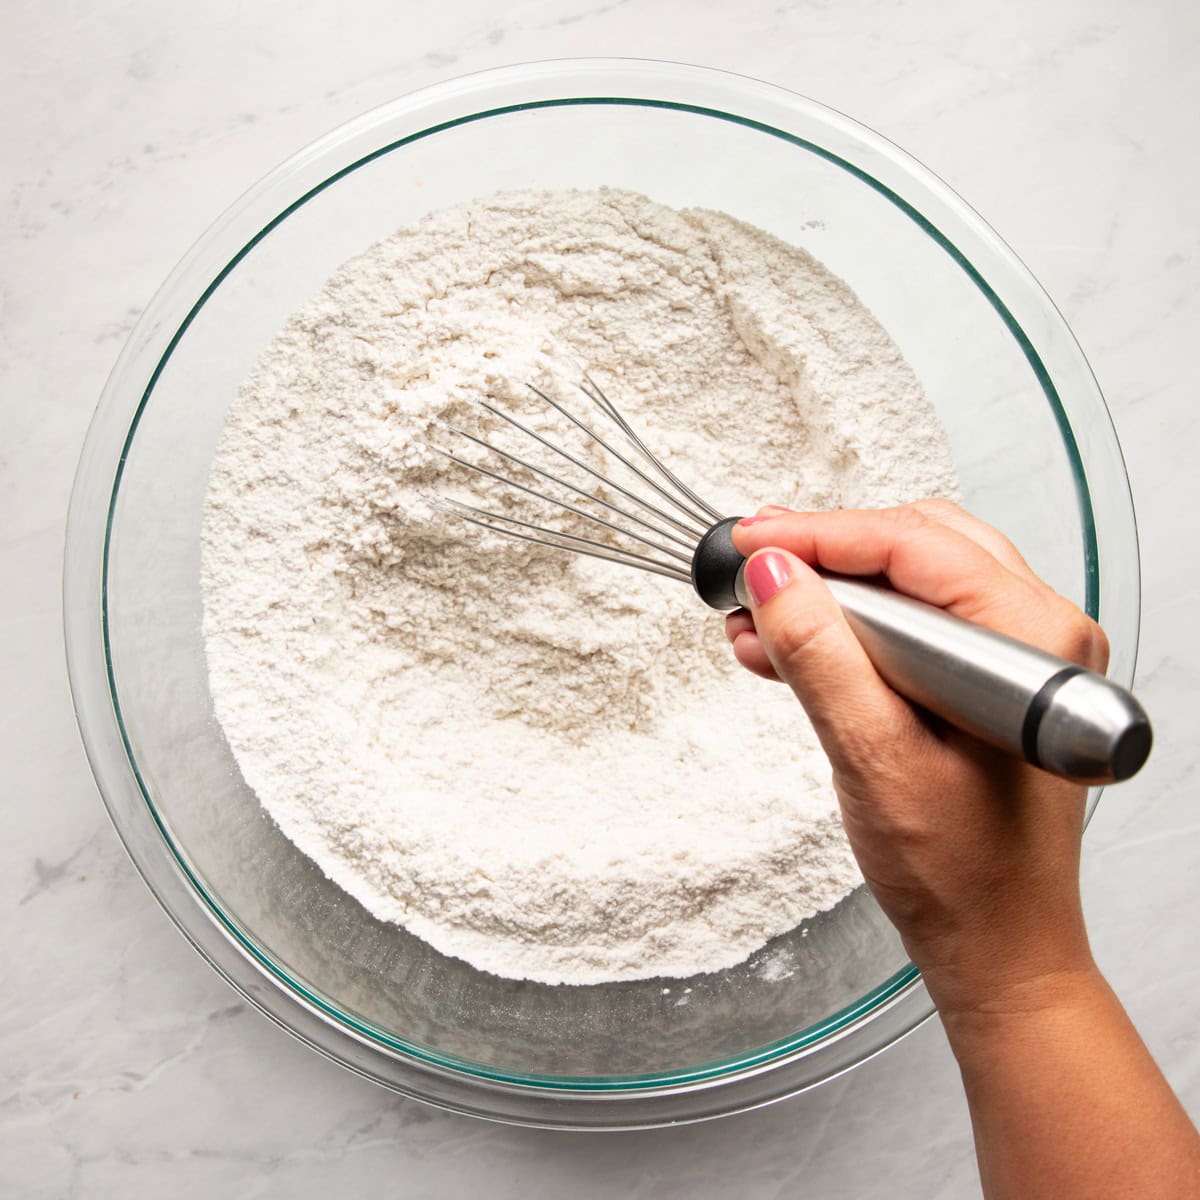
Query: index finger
{"points": [[946, 512], [927, 559]]}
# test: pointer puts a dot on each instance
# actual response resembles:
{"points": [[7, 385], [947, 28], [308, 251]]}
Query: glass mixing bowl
{"points": [[1029, 432]]}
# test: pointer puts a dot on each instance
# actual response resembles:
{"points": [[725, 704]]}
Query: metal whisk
{"points": [[1053, 713], [667, 518]]}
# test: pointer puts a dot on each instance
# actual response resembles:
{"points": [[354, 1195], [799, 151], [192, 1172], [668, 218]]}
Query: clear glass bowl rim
{"points": [[811, 1056]]}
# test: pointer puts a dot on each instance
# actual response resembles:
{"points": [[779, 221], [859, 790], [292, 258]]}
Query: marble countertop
{"points": [[128, 1068]]}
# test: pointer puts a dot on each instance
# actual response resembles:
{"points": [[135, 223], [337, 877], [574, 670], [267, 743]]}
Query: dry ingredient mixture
{"points": [[548, 766]]}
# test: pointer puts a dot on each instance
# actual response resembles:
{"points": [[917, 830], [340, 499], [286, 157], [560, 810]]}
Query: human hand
{"points": [[973, 855]]}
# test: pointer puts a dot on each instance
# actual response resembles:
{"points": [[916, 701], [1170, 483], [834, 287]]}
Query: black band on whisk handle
{"points": [[1055, 714]]}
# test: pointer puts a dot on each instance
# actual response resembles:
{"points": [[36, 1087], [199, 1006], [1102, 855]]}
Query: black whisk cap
{"points": [[717, 565]]}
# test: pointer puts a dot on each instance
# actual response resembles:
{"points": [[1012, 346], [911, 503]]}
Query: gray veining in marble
{"points": [[127, 1068]]}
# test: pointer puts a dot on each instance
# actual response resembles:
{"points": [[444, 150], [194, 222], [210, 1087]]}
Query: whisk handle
{"points": [[1055, 714]]}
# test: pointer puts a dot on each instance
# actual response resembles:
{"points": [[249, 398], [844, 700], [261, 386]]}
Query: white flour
{"points": [[547, 766]]}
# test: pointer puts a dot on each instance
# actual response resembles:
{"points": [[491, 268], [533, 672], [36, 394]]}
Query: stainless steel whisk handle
{"points": [[1055, 714]]}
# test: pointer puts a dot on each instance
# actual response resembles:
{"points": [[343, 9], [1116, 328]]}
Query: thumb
{"points": [[806, 637]]}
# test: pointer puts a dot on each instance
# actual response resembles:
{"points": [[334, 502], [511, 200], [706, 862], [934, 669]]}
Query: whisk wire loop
{"points": [[611, 410], [572, 508], [686, 542], [694, 517], [663, 518], [569, 541]]}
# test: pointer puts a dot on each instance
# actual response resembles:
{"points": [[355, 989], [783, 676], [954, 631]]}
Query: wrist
{"points": [[986, 981], [1034, 1006], [1014, 957]]}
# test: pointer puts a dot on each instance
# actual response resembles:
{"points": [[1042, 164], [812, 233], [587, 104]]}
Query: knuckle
{"points": [[910, 517], [905, 524], [1083, 641], [1092, 646], [796, 639], [937, 508]]}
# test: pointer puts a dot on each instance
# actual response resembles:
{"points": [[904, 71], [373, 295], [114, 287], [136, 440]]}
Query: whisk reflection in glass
{"points": [[639, 513]]}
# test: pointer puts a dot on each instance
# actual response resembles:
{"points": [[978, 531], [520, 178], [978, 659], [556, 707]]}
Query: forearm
{"points": [[973, 856], [1066, 1101]]}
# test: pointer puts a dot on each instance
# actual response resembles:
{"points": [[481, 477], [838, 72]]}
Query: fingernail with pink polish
{"points": [[766, 574], [752, 520]]}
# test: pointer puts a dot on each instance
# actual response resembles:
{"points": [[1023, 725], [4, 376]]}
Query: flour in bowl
{"points": [[546, 765]]}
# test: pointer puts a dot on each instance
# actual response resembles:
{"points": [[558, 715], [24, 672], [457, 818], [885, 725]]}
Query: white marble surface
{"points": [[128, 1068]]}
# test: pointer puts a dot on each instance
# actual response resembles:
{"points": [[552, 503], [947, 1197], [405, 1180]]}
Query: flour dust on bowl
{"points": [[1027, 434]]}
